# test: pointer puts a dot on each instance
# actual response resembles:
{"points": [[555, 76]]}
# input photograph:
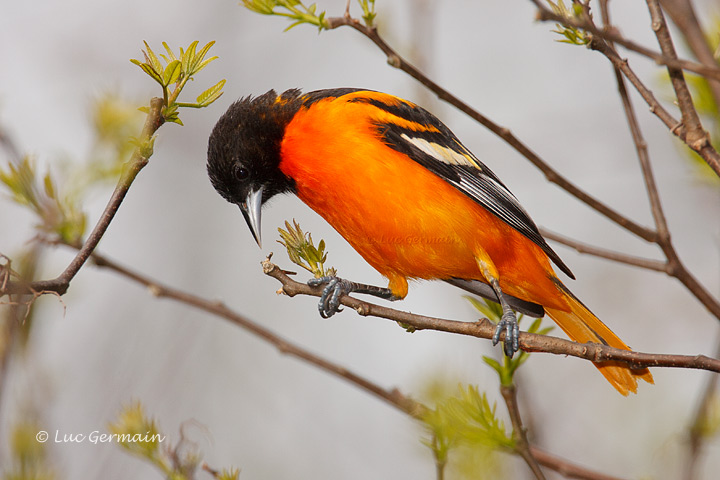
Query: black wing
{"points": [[426, 140]]}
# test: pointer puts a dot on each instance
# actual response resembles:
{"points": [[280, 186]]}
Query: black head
{"points": [[244, 152]]}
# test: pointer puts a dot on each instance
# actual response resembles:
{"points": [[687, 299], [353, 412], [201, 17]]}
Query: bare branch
{"points": [[618, 257], [522, 446], [696, 136], [696, 139], [683, 15]]}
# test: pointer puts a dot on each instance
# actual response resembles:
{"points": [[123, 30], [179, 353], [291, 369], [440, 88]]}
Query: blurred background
{"points": [[110, 342]]}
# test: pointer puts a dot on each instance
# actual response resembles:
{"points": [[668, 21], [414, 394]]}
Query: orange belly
{"points": [[403, 219]]}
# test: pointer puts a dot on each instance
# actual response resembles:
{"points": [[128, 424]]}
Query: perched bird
{"points": [[401, 188]]}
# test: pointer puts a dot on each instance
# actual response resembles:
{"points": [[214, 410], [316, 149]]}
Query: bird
{"points": [[399, 186]]}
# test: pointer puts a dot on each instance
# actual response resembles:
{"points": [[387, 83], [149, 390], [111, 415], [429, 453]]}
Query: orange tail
{"points": [[582, 326]]}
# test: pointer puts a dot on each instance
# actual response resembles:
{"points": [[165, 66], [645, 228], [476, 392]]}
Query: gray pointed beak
{"points": [[251, 211]]}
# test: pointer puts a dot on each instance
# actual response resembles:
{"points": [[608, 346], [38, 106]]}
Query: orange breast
{"points": [[403, 219]]}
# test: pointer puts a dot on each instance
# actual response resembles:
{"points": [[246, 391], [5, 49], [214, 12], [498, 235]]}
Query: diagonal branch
{"points": [[683, 15], [674, 266], [136, 163], [614, 256], [157, 289], [696, 137], [689, 131]]}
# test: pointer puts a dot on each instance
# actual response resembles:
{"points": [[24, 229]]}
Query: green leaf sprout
{"points": [[302, 250], [174, 71]]}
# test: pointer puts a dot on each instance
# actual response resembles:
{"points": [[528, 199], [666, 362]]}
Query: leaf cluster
{"points": [[59, 214], [293, 9], [303, 252], [300, 14], [28, 456], [368, 9], [175, 465], [709, 425], [573, 36], [174, 71], [133, 421], [56, 198], [465, 419]]}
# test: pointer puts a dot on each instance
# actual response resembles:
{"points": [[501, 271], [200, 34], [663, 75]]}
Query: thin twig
{"points": [[683, 16], [696, 136], [612, 255], [638, 141], [136, 163], [522, 446], [485, 329]]}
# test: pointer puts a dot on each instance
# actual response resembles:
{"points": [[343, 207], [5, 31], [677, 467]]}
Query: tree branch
{"points": [[136, 163], [683, 16], [674, 267], [618, 257], [696, 136], [696, 139], [485, 329], [522, 446]]}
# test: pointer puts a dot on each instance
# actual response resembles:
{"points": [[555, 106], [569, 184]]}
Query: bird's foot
{"points": [[335, 287], [509, 323]]}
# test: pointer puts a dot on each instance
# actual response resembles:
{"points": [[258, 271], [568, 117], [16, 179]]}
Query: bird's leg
{"points": [[336, 287], [508, 322]]}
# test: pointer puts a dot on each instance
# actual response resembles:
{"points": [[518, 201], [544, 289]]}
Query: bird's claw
{"points": [[335, 287], [509, 323]]}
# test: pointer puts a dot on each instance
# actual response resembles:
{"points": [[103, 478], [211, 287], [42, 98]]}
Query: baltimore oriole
{"points": [[399, 186]]}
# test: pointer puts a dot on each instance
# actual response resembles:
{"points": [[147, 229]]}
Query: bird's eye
{"points": [[241, 173]]}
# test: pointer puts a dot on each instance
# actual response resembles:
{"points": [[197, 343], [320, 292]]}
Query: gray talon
{"points": [[509, 323]]}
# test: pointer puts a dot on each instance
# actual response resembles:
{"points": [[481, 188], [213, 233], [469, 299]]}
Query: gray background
{"points": [[275, 417]]}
